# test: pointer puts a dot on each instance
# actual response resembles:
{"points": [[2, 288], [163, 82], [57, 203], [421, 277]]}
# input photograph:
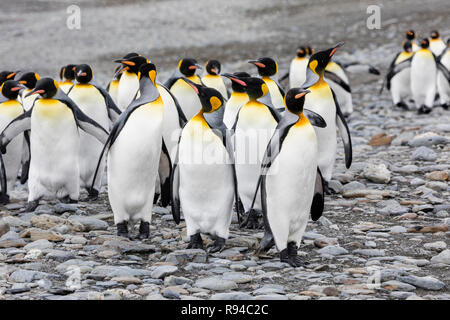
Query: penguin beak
{"points": [[214, 70], [34, 91], [11, 75], [340, 44], [126, 62], [195, 66], [257, 63], [16, 88], [81, 74], [301, 94], [192, 84], [233, 78], [23, 82]]}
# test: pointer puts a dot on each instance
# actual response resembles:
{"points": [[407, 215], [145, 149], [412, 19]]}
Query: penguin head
{"points": [[10, 89], [147, 70], [309, 51], [45, 87], [301, 52], [295, 99], [67, 72], [213, 67], [132, 62], [254, 87], [237, 86], [410, 35], [7, 75], [267, 67], [83, 73], [434, 34], [188, 66], [29, 79], [425, 43], [210, 98], [317, 64], [407, 46]]}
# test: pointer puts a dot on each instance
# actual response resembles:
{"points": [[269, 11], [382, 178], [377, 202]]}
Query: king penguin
{"points": [[437, 46], [237, 99], [322, 100], [54, 121], [268, 70], [9, 110], [29, 80], [184, 93], [291, 182], [204, 181], [66, 76], [133, 149], [253, 128], [423, 78], [4, 76], [297, 69], [411, 37], [97, 104], [213, 79], [443, 84], [113, 85]]}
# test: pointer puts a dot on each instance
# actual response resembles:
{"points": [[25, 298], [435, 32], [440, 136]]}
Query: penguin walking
{"points": [[253, 128], [97, 104], [411, 37], [443, 84], [398, 77], [9, 110], [184, 93], [322, 100], [66, 76], [213, 79], [437, 46], [268, 70], [237, 99], [423, 78], [133, 149], [204, 183], [297, 69], [291, 182], [54, 121]]}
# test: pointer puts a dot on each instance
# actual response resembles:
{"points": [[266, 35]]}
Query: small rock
{"points": [[443, 257], [231, 296], [176, 281], [428, 282], [4, 228], [216, 284], [424, 153], [161, 271], [381, 139], [187, 255], [377, 173], [354, 185], [437, 175], [394, 285], [370, 252], [398, 229], [90, 223], [330, 291], [127, 280], [436, 246], [332, 250], [427, 139], [41, 244], [65, 207]]}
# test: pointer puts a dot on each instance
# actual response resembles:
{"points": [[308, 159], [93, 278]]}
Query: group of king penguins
{"points": [[189, 143], [420, 72]]}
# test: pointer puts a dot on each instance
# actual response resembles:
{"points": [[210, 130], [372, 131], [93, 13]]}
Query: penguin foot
{"points": [[293, 260], [292, 252], [218, 246], [402, 105], [92, 195], [31, 206], [195, 242], [4, 198], [122, 229], [424, 110], [144, 230], [266, 243], [327, 189], [251, 220], [67, 199], [445, 106]]}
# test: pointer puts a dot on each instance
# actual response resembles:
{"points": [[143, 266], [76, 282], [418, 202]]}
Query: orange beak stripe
{"points": [[22, 82], [259, 64], [9, 76], [130, 63], [301, 94], [15, 89], [192, 67]]}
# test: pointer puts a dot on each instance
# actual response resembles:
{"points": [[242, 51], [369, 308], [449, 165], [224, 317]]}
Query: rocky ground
{"points": [[384, 235]]}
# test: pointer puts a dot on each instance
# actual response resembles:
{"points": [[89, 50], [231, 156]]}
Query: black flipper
{"points": [[284, 77], [4, 193], [15, 127], [344, 132], [395, 69], [335, 78], [26, 165], [317, 205], [165, 173], [113, 111], [314, 118], [175, 189]]}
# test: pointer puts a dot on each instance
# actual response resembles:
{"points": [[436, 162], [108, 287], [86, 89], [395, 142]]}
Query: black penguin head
{"points": [[46, 87], [309, 51], [213, 67], [83, 73], [267, 67], [210, 98], [301, 52], [425, 43], [67, 72], [254, 87], [434, 34], [188, 66], [236, 84], [410, 35], [7, 75], [317, 64], [295, 99], [10, 89], [29, 79], [132, 62], [407, 46], [147, 70]]}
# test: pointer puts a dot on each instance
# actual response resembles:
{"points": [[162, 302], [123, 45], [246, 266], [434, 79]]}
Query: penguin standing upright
{"points": [[9, 110], [268, 70], [113, 85], [411, 37], [437, 46], [237, 99], [443, 84], [322, 100], [398, 77], [204, 183], [134, 152], [423, 78], [291, 183], [97, 104], [66, 76], [297, 69], [29, 80], [213, 79], [4, 76], [54, 121], [253, 128], [184, 93]]}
